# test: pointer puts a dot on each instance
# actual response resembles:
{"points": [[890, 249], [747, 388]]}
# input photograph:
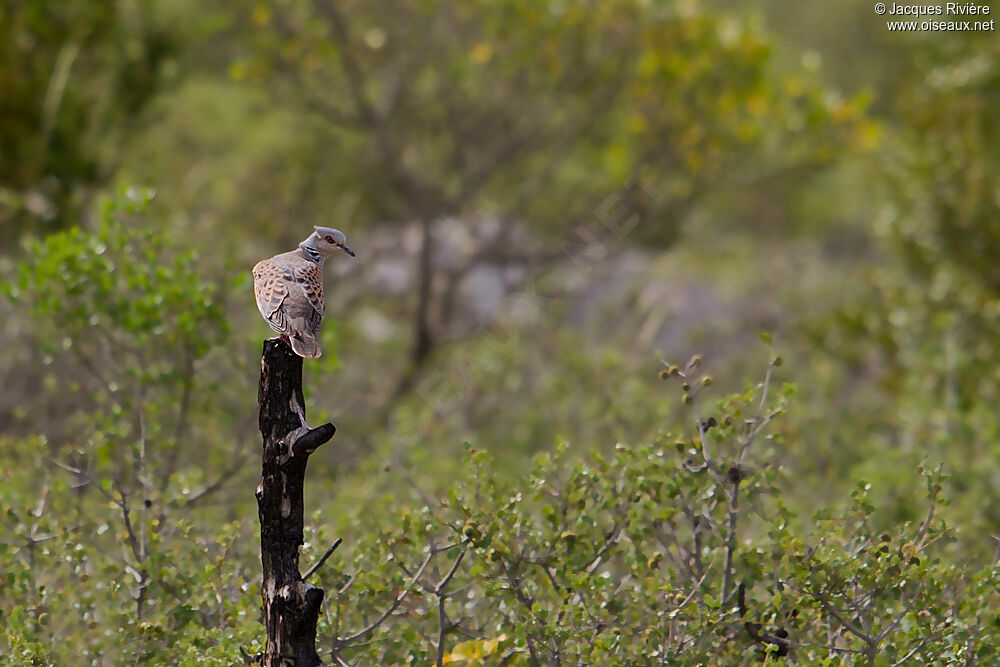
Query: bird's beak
{"points": [[348, 250]]}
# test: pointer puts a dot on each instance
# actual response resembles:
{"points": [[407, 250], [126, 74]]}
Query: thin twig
{"points": [[443, 627], [892, 626], [133, 541], [694, 589], [727, 577], [609, 541], [909, 655], [709, 462], [395, 605], [451, 573], [443, 624], [319, 564], [922, 533], [833, 611]]}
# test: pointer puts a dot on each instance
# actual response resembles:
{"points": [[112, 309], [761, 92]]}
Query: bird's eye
{"points": [[329, 239]]}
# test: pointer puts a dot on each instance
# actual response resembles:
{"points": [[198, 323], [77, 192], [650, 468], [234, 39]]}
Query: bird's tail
{"points": [[305, 345]]}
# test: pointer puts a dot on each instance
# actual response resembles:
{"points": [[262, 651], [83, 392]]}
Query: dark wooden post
{"points": [[291, 605]]}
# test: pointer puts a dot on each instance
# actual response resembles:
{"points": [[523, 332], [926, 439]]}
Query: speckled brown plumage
{"points": [[289, 291]]}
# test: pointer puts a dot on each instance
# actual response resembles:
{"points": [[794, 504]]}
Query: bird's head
{"points": [[330, 241]]}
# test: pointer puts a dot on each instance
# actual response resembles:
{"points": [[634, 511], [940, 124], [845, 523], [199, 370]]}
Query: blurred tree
{"points": [[941, 307], [591, 120], [922, 341], [73, 75], [948, 202]]}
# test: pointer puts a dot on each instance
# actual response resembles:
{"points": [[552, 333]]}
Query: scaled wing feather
{"points": [[270, 288], [310, 276]]}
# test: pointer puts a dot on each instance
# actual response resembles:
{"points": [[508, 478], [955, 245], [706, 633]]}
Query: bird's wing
{"points": [[303, 309], [270, 287], [310, 277]]}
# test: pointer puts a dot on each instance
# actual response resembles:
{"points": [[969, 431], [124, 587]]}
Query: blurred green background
{"points": [[546, 198]]}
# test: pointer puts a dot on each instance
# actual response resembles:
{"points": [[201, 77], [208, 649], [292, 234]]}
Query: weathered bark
{"points": [[291, 606]]}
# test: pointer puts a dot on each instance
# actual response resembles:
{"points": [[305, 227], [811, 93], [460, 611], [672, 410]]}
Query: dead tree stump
{"points": [[291, 605]]}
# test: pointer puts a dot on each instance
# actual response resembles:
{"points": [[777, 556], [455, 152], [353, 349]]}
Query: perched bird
{"points": [[289, 289]]}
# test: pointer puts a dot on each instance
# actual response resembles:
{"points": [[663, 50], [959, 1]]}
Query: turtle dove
{"points": [[289, 289]]}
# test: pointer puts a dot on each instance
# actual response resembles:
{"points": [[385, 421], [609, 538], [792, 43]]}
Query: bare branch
{"points": [[319, 564], [395, 605], [443, 625], [451, 573], [909, 655], [609, 542], [312, 439], [756, 631], [211, 488], [133, 541], [892, 626], [922, 533], [694, 589], [833, 611]]}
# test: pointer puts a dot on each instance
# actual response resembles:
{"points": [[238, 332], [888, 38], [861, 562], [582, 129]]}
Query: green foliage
{"points": [[848, 519], [643, 554], [128, 311], [75, 592], [941, 222], [99, 514], [122, 283], [677, 549], [74, 74], [923, 329]]}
